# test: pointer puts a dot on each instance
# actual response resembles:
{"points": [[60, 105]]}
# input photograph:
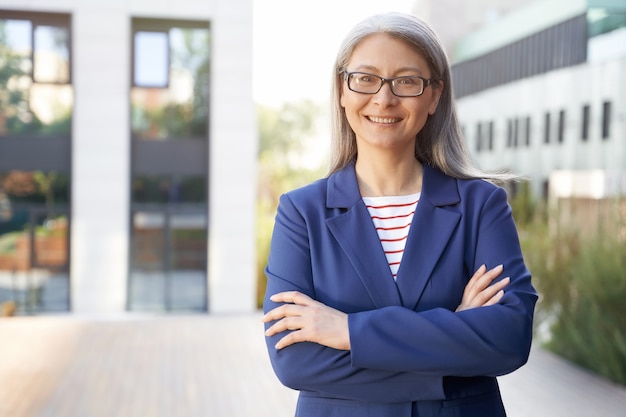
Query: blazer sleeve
{"points": [[313, 367], [486, 341]]}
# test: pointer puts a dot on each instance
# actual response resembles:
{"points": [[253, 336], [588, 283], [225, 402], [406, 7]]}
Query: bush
{"points": [[582, 287], [591, 326]]}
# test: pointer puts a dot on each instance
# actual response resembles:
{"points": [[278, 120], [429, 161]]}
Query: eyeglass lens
{"points": [[371, 84]]}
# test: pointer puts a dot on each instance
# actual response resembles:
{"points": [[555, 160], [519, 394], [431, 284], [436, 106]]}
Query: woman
{"points": [[379, 300]]}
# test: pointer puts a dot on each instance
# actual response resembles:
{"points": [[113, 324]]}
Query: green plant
{"points": [[591, 329], [283, 138], [581, 280]]}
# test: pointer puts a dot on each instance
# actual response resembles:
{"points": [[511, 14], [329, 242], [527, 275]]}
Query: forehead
{"points": [[384, 52]]}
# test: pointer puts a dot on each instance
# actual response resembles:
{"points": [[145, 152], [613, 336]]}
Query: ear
{"points": [[437, 89], [342, 98]]}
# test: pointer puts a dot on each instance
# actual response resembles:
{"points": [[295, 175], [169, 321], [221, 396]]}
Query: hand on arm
{"points": [[312, 321], [479, 291], [308, 320]]}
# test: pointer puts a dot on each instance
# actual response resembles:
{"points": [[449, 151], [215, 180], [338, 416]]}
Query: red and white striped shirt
{"points": [[392, 217]]}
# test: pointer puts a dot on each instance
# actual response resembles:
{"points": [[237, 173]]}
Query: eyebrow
{"points": [[403, 69]]}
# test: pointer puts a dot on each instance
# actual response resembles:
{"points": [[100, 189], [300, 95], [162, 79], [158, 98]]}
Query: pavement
{"points": [[133, 365]]}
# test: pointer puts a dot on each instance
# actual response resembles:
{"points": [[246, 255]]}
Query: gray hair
{"points": [[440, 142]]}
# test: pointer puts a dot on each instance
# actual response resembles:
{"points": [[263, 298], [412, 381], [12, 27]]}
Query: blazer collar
{"points": [[432, 228], [437, 188]]}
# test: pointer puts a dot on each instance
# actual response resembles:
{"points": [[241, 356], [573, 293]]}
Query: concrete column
{"points": [[100, 158]]}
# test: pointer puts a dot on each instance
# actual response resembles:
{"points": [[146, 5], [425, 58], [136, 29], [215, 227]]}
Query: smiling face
{"points": [[383, 120]]}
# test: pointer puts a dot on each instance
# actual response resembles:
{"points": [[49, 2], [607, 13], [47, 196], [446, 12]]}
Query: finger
{"points": [[492, 291], [495, 299], [295, 297], [285, 310], [487, 278], [288, 323], [479, 273], [290, 339]]}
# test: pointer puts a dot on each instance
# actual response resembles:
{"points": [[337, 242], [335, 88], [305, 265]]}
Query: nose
{"points": [[385, 96]]}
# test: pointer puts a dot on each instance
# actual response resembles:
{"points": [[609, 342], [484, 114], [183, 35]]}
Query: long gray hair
{"points": [[440, 142]]}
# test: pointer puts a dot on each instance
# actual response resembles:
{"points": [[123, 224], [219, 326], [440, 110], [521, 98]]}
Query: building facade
{"points": [[542, 91], [128, 147]]}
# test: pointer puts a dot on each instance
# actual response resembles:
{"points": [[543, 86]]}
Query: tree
{"points": [[285, 138]]}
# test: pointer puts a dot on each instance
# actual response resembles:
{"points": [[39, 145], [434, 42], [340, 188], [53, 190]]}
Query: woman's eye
{"points": [[366, 79], [406, 81]]}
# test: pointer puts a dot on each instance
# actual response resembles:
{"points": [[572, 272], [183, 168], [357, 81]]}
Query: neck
{"points": [[388, 177]]}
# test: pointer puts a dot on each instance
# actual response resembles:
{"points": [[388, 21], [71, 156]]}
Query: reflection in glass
{"points": [[28, 107], [181, 109], [151, 59], [168, 244], [168, 189], [34, 230], [52, 57], [168, 269]]}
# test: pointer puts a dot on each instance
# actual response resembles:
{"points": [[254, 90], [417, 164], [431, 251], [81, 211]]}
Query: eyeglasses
{"points": [[407, 86]]}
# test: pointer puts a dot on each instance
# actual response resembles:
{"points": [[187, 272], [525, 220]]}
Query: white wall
{"points": [[567, 89], [101, 147], [232, 167]]}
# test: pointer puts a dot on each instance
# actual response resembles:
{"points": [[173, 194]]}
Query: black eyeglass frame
{"points": [[427, 82]]}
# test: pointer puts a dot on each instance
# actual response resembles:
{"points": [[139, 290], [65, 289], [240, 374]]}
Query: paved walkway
{"points": [[211, 366]]}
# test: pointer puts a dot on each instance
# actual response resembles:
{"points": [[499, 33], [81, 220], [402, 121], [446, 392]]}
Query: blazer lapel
{"points": [[355, 233], [431, 229]]}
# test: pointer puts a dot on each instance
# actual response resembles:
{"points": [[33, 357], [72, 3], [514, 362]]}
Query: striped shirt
{"points": [[392, 217]]}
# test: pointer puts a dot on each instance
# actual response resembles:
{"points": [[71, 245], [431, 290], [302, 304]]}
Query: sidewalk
{"points": [[211, 366]]}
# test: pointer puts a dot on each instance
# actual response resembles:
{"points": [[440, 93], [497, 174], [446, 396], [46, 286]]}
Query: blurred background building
{"points": [[128, 148], [128, 139], [541, 89]]}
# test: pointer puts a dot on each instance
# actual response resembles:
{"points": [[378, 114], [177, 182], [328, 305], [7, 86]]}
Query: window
{"points": [[509, 133], [170, 136], [585, 123], [606, 119], [169, 98], [36, 104], [515, 132], [528, 127], [546, 132], [491, 136], [561, 135], [35, 92], [479, 137]]}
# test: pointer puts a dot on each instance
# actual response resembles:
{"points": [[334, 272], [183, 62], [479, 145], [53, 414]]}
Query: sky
{"points": [[295, 44]]}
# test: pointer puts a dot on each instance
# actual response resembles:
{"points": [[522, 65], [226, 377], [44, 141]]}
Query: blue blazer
{"points": [[411, 353]]}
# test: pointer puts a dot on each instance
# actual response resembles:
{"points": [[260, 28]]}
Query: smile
{"points": [[383, 120]]}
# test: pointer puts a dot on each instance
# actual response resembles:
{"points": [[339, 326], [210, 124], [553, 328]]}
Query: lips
{"points": [[383, 120]]}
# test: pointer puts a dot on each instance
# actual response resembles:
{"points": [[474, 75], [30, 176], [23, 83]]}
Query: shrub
{"points": [[582, 287], [591, 325]]}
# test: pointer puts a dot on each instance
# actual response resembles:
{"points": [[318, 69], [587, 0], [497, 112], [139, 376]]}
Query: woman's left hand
{"points": [[308, 320]]}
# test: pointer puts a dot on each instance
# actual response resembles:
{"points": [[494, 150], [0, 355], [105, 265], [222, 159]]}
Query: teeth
{"points": [[383, 120]]}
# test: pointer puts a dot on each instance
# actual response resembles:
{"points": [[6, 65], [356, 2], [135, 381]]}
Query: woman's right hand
{"points": [[479, 292]]}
